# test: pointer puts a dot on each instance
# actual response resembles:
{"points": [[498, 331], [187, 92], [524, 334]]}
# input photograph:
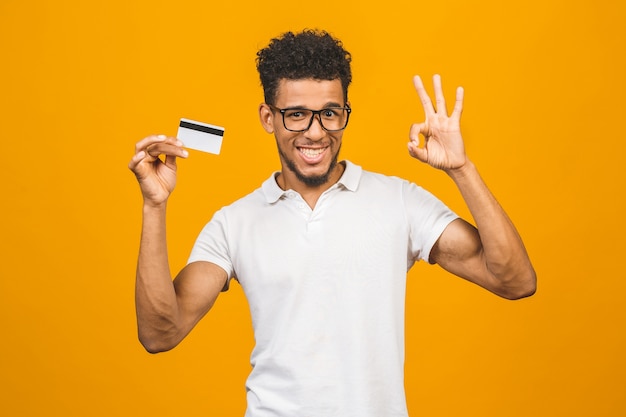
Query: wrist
{"points": [[154, 206], [461, 171]]}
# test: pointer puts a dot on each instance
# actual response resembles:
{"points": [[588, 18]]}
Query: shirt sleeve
{"points": [[212, 246], [428, 217]]}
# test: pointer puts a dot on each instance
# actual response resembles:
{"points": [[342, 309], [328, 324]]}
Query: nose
{"points": [[316, 131]]}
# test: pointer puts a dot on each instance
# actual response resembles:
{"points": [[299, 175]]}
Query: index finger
{"points": [[423, 95], [149, 140]]}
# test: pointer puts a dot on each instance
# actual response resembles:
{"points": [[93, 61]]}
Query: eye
{"points": [[330, 113], [296, 114]]}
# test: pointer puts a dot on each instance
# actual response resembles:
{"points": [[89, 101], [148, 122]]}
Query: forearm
{"points": [[155, 296], [505, 256]]}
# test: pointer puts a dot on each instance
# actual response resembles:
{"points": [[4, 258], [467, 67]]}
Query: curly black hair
{"points": [[310, 54]]}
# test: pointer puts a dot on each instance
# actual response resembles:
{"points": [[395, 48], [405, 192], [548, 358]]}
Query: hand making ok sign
{"points": [[443, 145]]}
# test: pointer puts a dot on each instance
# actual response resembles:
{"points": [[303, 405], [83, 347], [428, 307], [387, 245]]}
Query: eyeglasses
{"points": [[332, 119]]}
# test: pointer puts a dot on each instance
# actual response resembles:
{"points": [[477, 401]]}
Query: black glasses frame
{"points": [[313, 113]]}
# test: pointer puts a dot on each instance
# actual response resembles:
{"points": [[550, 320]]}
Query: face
{"points": [[308, 158]]}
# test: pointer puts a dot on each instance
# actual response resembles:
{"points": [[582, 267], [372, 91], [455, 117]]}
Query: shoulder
{"points": [[266, 193], [361, 179], [391, 190]]}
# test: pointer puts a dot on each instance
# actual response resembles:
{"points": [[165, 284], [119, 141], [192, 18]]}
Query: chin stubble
{"points": [[314, 180]]}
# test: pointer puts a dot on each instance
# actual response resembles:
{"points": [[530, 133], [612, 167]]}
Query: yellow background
{"points": [[82, 81]]}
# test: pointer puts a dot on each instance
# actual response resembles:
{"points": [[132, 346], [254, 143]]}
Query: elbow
{"points": [[518, 294], [155, 347], [522, 286], [158, 333], [154, 343]]}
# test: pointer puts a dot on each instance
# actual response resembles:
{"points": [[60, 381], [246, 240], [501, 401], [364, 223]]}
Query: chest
{"points": [[344, 238]]}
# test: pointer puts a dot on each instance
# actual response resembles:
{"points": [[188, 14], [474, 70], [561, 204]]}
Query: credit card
{"points": [[200, 136]]}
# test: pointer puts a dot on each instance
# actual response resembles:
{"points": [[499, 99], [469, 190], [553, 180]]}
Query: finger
{"points": [[170, 160], [418, 153], [173, 147], [458, 104], [439, 98], [147, 141], [414, 132], [148, 152], [423, 95], [134, 161]]}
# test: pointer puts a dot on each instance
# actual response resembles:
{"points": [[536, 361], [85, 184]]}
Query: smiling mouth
{"points": [[311, 152]]}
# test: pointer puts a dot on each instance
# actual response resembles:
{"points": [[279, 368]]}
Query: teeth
{"points": [[311, 152]]}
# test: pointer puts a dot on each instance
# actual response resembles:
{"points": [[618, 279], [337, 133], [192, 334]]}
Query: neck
{"points": [[310, 193]]}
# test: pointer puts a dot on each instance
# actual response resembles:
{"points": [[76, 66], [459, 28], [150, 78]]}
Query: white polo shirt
{"points": [[326, 289]]}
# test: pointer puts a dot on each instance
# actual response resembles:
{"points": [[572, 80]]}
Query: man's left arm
{"points": [[491, 254]]}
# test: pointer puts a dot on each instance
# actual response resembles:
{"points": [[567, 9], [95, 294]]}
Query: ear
{"points": [[267, 117]]}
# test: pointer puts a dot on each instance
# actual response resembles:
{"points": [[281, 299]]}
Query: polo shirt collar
{"points": [[351, 176], [350, 180]]}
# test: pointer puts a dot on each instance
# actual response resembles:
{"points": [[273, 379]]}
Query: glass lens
{"points": [[297, 119], [332, 118]]}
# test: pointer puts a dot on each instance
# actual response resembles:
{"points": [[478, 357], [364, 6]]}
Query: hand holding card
{"points": [[200, 136]]}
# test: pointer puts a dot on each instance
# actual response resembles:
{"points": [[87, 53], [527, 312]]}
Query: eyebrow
{"points": [[326, 106]]}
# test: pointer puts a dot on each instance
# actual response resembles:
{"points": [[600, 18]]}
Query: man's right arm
{"points": [[166, 310]]}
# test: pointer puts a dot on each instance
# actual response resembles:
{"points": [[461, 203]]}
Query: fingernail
{"points": [[161, 136], [185, 153]]}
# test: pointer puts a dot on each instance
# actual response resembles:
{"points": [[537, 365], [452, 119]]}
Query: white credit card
{"points": [[200, 136]]}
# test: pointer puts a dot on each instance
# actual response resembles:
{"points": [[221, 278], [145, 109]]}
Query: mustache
{"points": [[312, 145]]}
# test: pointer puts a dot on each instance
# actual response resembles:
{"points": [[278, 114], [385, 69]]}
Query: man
{"points": [[322, 248]]}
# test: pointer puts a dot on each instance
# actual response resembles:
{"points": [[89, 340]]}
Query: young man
{"points": [[322, 248]]}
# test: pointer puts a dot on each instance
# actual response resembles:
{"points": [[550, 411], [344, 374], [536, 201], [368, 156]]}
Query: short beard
{"points": [[311, 181]]}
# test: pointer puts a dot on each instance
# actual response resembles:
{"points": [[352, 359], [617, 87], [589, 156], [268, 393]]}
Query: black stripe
{"points": [[200, 128]]}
